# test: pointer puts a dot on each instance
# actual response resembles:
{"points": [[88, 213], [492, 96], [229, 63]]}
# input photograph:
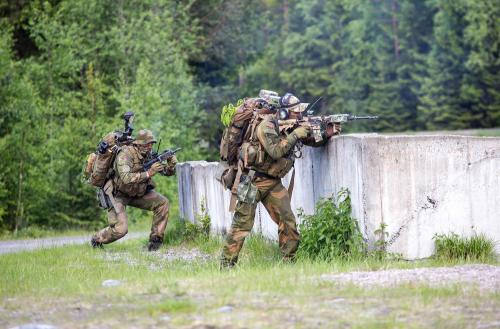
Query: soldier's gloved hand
{"points": [[302, 132], [172, 161], [155, 168], [332, 130]]}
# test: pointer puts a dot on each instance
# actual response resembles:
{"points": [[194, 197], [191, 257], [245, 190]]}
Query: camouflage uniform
{"points": [[271, 192], [269, 154], [134, 187]]}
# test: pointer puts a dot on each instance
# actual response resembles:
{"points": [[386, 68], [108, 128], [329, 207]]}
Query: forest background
{"points": [[69, 69]]}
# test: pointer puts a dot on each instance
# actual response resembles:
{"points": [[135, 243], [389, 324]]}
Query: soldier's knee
{"points": [[242, 224], [163, 204], [121, 229]]}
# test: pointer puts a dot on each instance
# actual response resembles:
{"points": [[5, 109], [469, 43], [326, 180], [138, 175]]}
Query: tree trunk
{"points": [[286, 19], [395, 28], [20, 203]]}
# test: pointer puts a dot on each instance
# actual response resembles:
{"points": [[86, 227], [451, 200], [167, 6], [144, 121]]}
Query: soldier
{"points": [[133, 186], [265, 175]]}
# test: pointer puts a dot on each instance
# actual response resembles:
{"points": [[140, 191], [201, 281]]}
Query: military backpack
{"points": [[99, 165], [237, 128]]}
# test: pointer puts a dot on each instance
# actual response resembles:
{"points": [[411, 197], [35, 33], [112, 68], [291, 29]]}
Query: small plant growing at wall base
{"points": [[331, 232], [454, 247], [201, 227]]}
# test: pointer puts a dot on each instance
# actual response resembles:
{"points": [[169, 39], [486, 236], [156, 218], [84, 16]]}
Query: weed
{"points": [[382, 235], [455, 247], [331, 232], [201, 227], [204, 219], [381, 245]]}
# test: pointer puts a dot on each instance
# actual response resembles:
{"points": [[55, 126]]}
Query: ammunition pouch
{"points": [[247, 191], [255, 157], [226, 175]]}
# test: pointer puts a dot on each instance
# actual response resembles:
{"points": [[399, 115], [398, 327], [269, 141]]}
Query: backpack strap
{"points": [[256, 120]]}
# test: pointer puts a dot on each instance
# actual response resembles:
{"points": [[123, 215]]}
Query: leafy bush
{"points": [[453, 246], [331, 232]]}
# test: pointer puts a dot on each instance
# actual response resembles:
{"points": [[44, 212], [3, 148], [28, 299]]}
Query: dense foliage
{"points": [[331, 232], [70, 68]]}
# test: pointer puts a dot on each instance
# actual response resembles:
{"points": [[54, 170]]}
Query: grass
{"points": [[477, 247], [63, 286], [139, 221]]}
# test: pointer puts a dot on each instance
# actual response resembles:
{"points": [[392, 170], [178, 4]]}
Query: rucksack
{"points": [[99, 164], [234, 136]]}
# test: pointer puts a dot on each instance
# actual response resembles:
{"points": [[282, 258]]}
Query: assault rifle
{"points": [[161, 157], [319, 124]]}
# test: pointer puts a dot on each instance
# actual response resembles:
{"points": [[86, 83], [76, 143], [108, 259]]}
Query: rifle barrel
{"points": [[366, 117]]}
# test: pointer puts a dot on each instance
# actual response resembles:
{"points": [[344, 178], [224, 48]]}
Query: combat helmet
{"points": [[144, 137], [292, 103]]}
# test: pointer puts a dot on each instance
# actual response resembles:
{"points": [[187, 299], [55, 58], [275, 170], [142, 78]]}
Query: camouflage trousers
{"points": [[275, 198], [118, 220]]}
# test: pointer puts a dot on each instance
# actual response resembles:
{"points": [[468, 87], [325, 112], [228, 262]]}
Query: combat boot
{"points": [[95, 244], [226, 264], [155, 243]]}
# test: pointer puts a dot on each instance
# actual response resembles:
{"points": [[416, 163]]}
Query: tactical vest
{"points": [[135, 189], [255, 157]]}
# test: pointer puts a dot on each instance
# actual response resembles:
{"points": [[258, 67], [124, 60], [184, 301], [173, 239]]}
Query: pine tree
{"points": [[441, 106]]}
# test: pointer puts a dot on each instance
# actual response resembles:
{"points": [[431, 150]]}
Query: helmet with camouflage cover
{"points": [[144, 137], [292, 103]]}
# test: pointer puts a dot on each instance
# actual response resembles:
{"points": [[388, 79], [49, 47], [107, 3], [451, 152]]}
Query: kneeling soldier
{"points": [[133, 186]]}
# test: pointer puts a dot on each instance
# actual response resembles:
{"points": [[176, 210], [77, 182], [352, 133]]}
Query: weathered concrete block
{"points": [[416, 185]]}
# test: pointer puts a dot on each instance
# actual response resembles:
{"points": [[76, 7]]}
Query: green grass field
{"points": [[64, 287]]}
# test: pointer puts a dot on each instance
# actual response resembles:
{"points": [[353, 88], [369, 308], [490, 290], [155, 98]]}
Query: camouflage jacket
{"points": [[130, 178], [271, 152]]}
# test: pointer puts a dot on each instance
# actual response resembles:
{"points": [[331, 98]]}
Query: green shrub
{"points": [[331, 232], [453, 246]]}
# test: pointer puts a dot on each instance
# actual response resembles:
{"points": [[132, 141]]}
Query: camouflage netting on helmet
{"points": [[144, 137]]}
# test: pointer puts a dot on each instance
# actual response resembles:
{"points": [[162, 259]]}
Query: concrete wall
{"points": [[417, 185]]}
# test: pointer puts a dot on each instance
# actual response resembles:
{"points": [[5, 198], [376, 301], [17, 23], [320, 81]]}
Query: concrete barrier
{"points": [[418, 186]]}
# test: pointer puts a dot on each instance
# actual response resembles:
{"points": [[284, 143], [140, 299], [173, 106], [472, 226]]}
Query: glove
{"points": [[172, 161], [302, 132], [155, 168]]}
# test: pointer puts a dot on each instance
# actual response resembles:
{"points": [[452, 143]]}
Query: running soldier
{"points": [[132, 185]]}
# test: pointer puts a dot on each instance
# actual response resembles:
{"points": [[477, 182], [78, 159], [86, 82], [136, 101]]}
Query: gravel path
{"points": [[487, 277], [12, 246]]}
